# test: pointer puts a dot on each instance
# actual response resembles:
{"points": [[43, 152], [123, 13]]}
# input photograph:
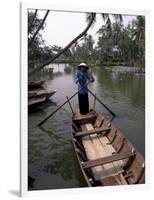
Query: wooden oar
{"points": [[101, 103], [61, 106], [56, 110]]}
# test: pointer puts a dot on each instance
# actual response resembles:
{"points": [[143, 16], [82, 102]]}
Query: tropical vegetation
{"points": [[117, 44]]}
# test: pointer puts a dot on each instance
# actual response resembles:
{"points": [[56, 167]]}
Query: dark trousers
{"points": [[83, 103]]}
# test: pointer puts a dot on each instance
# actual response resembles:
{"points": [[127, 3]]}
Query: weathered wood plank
{"points": [[79, 117], [84, 119], [106, 160], [93, 131], [91, 151], [110, 150], [99, 121]]}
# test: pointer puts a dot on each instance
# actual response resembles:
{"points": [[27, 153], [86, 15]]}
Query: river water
{"points": [[52, 162]]}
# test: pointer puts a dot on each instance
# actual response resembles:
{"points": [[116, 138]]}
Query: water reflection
{"points": [[121, 85]]}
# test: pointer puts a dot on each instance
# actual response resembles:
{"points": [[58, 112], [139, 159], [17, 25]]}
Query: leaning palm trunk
{"points": [[31, 23], [41, 25], [67, 47]]}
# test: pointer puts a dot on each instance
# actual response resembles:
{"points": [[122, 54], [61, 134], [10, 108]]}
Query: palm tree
{"points": [[91, 19]]}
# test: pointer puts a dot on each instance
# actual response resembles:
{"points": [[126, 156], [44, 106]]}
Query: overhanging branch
{"points": [[67, 47]]}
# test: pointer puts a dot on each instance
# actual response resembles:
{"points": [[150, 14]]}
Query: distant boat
{"points": [[35, 84], [105, 156], [40, 93]]}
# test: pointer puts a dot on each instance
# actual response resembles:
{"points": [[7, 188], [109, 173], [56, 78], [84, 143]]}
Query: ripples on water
{"points": [[52, 162]]}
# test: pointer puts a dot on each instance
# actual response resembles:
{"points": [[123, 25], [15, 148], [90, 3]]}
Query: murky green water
{"points": [[52, 161]]}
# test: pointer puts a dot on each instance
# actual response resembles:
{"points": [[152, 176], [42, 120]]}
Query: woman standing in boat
{"points": [[82, 76]]}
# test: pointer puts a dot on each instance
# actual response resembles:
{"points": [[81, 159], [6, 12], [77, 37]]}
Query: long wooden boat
{"points": [[40, 93], [35, 84], [105, 156]]}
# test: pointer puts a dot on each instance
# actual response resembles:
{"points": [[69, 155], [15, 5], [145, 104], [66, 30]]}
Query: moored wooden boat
{"points": [[35, 84], [35, 102], [40, 93], [105, 156]]}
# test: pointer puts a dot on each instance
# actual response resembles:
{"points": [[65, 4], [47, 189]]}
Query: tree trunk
{"points": [[31, 41], [31, 23], [67, 47]]}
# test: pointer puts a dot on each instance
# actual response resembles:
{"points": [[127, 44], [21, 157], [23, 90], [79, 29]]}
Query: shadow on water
{"points": [[51, 133]]}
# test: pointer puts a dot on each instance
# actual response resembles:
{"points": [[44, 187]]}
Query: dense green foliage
{"points": [[116, 45], [122, 45]]}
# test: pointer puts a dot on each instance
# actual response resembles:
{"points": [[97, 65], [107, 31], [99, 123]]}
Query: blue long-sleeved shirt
{"points": [[83, 78]]}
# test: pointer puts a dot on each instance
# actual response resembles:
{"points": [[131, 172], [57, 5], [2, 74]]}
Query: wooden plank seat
{"points": [[82, 119], [108, 159], [91, 132]]}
